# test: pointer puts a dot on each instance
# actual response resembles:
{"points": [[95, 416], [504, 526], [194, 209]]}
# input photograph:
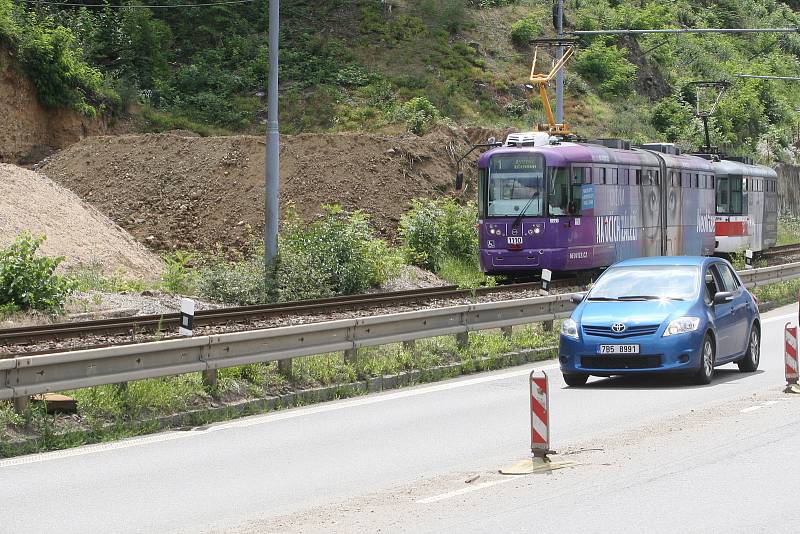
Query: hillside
{"points": [[395, 65]]}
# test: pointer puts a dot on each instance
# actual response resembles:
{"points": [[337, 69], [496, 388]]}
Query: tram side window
{"points": [[624, 176], [574, 207], [559, 191], [614, 176], [483, 181], [638, 176], [736, 195], [723, 201]]}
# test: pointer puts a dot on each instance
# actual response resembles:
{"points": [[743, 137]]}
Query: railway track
{"points": [[151, 324], [782, 250]]}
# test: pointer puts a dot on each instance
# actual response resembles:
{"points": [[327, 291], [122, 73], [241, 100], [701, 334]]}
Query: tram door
{"points": [[652, 204]]}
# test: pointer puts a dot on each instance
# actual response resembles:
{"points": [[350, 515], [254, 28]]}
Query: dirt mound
{"points": [[174, 191], [30, 201]]}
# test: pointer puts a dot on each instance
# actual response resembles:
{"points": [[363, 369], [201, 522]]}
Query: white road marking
{"points": [[272, 417], [462, 491], [758, 407]]}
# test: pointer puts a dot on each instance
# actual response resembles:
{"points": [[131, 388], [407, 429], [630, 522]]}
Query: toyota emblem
{"points": [[618, 327]]}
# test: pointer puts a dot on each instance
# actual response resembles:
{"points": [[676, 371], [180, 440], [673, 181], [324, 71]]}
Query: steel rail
{"points": [[779, 250], [243, 314]]}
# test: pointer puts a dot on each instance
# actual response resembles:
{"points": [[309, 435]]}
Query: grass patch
{"points": [[464, 273], [91, 277], [788, 230], [778, 294], [161, 121]]}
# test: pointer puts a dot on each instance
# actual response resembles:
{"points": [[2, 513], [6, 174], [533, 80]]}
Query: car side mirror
{"points": [[721, 297], [459, 180], [577, 298]]}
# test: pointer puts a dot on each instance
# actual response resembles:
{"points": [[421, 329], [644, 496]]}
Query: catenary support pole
{"points": [[559, 55], [272, 181]]}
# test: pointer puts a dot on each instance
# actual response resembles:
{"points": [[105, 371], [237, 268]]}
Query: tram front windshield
{"points": [[516, 186]]}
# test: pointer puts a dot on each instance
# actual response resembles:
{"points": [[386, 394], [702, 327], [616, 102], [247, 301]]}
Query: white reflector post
{"points": [[187, 317], [547, 276], [748, 259]]}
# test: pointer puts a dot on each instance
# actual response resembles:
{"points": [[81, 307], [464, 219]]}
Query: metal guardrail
{"points": [[23, 376]]}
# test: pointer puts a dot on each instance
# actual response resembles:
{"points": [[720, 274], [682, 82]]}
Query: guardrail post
{"points": [[507, 331], [21, 404], [462, 340], [285, 367], [210, 378], [351, 356]]}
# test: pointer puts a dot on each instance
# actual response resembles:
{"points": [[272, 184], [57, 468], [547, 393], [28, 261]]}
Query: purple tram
{"points": [[574, 206]]}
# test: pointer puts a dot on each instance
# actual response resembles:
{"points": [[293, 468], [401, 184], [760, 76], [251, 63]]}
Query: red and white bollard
{"points": [[540, 415], [790, 351]]}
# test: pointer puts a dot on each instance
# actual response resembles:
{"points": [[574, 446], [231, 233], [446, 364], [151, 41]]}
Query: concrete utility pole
{"points": [[272, 181], [559, 55]]}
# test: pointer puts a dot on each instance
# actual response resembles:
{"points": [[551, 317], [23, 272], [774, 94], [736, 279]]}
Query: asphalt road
{"points": [[652, 455]]}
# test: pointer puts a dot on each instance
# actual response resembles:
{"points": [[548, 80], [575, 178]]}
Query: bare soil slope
{"points": [[30, 201], [172, 191], [29, 131]]}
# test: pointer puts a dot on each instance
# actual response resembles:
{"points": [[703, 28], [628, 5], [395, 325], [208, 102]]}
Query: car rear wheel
{"points": [[575, 379], [749, 363], [706, 372]]}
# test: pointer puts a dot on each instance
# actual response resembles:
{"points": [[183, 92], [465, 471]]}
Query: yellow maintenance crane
{"points": [[541, 79]]}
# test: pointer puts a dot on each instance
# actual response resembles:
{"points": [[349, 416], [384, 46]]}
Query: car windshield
{"points": [[516, 186], [650, 282]]}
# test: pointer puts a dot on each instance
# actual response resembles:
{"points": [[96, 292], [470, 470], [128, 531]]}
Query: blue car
{"points": [[669, 314]]}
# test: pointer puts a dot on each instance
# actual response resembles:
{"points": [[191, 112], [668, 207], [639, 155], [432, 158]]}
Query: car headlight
{"points": [[682, 325], [569, 328]]}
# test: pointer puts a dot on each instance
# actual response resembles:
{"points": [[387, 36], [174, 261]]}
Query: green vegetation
{"points": [[524, 30], [54, 60], [778, 294], [356, 65], [788, 230], [607, 66], [337, 254], [111, 412], [28, 281]]}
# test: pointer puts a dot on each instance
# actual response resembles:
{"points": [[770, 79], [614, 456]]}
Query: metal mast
{"points": [[272, 179]]}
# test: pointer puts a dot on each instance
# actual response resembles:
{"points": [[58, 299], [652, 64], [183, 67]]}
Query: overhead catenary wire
{"points": [[759, 77], [685, 30], [138, 6]]}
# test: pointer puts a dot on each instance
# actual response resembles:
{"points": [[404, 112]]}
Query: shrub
{"points": [[337, 254], [27, 281], [56, 66], [434, 229], [524, 30], [178, 276], [419, 115], [235, 282], [608, 66]]}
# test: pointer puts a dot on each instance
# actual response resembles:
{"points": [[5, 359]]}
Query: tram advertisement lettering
{"points": [[614, 228]]}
